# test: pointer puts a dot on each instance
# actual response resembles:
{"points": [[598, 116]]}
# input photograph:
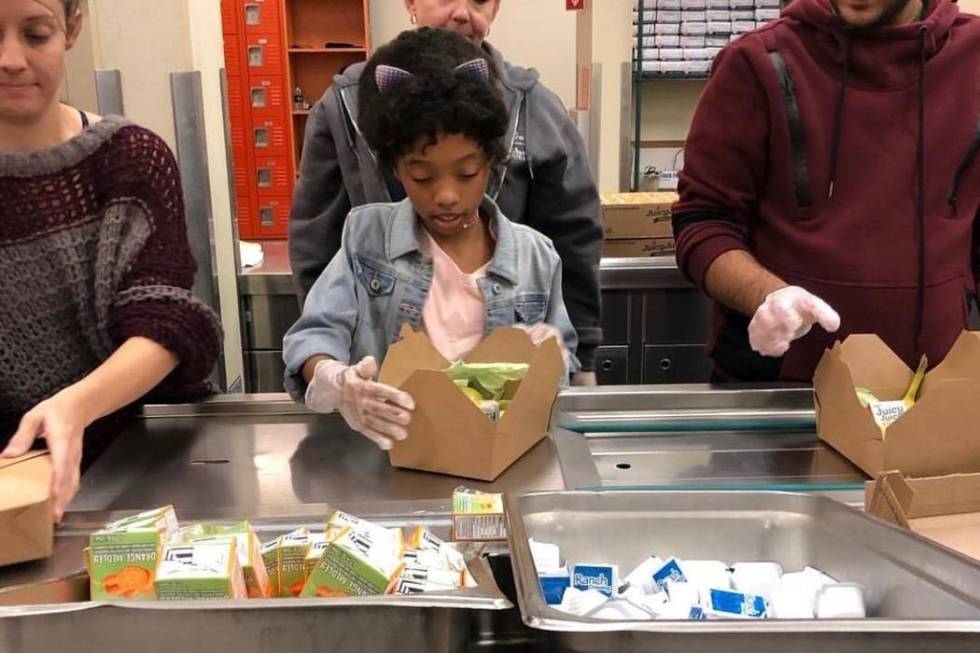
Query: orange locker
{"points": [[229, 16], [263, 54], [234, 55], [262, 17], [269, 136], [272, 176], [272, 220], [267, 95], [245, 193], [238, 114], [272, 47]]}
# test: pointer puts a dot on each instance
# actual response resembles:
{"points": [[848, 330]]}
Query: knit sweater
{"points": [[94, 251]]}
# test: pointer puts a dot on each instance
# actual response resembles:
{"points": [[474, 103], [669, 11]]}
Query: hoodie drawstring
{"points": [[920, 208], [839, 113]]}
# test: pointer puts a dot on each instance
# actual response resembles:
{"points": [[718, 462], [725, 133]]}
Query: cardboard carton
{"points": [[201, 571], [352, 564], [123, 556], [637, 215], [943, 508], [937, 436], [449, 434], [250, 557], [639, 248], [26, 527], [292, 562]]}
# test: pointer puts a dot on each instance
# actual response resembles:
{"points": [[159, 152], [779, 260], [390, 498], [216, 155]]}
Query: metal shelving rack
{"points": [[639, 79]]}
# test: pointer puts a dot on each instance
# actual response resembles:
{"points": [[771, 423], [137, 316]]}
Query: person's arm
{"points": [[725, 162], [563, 204], [320, 202], [134, 369], [325, 329], [738, 281], [558, 317], [154, 295], [725, 173], [319, 371], [976, 257]]}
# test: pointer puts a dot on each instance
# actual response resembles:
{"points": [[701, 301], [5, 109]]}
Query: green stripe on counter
{"points": [[730, 487], [696, 425]]}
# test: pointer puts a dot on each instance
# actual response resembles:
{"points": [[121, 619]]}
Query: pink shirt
{"points": [[453, 315]]}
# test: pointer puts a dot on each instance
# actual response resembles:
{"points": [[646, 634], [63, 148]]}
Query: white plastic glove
{"points": [[375, 410], [540, 332], [786, 315]]}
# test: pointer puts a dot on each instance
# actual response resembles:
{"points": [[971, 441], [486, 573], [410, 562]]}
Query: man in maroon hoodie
{"points": [[832, 178]]}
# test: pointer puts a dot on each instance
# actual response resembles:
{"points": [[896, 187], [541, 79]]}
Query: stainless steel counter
{"points": [[697, 437], [264, 457], [269, 453]]}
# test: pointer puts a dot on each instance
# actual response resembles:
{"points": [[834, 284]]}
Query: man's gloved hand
{"points": [[377, 411], [786, 315]]}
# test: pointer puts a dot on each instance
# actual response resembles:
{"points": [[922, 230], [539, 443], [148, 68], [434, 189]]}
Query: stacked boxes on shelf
{"points": [[680, 38], [637, 224]]}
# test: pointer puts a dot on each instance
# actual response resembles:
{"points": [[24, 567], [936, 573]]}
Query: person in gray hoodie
{"points": [[547, 183]]}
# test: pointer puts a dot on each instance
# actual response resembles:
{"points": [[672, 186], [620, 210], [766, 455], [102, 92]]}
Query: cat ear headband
{"points": [[387, 77]]}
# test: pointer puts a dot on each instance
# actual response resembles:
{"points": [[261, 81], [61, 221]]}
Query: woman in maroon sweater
{"points": [[95, 267]]}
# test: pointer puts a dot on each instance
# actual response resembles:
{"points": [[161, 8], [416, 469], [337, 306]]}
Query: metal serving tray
{"points": [[920, 596], [51, 613]]}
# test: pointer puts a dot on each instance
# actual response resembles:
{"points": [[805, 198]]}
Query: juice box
{"points": [[249, 555], [292, 558], [123, 557], [203, 570], [416, 580], [353, 564], [340, 521], [165, 512], [478, 516], [270, 558], [422, 538], [318, 544]]}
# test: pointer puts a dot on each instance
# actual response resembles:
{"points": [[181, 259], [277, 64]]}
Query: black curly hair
{"points": [[436, 100]]}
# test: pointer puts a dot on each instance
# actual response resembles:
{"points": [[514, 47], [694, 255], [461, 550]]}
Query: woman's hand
{"points": [[133, 370], [61, 421]]}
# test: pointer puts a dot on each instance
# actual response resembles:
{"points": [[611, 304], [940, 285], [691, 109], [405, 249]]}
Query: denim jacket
{"points": [[379, 280]]}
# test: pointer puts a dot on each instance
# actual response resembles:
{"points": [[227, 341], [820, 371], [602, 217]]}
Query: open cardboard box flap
{"points": [[943, 508], [26, 528], [451, 435], [935, 437]]}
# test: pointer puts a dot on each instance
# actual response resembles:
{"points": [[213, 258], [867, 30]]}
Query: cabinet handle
{"points": [[665, 364]]}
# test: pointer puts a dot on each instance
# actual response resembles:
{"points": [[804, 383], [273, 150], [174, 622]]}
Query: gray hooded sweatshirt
{"points": [[547, 185]]}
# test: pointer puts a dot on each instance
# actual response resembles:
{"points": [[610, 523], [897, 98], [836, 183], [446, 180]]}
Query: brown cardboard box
{"points": [[448, 433], [638, 248], [943, 508], [937, 436], [637, 215], [26, 528]]}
